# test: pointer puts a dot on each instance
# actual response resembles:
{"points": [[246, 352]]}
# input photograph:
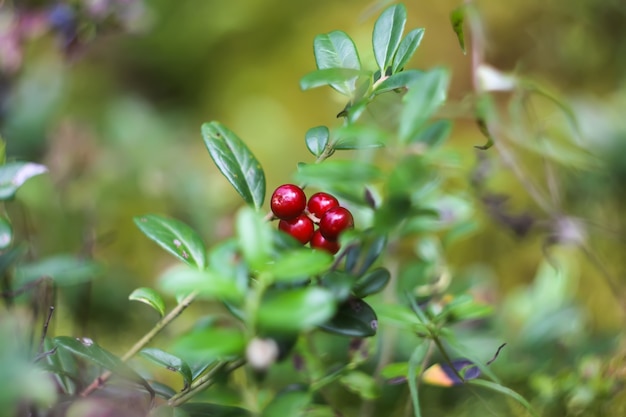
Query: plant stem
{"points": [[141, 343]]}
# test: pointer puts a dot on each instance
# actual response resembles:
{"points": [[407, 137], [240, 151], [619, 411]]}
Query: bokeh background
{"points": [[114, 110]]}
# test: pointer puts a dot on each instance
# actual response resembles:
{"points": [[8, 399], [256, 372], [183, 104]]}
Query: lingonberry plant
{"points": [[376, 264]]}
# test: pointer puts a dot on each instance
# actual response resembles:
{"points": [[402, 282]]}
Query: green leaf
{"points": [[255, 238], [350, 172], [6, 233], [150, 297], [14, 174], [465, 308], [299, 264], [372, 282], [182, 280], [399, 80], [396, 371], [210, 344], [175, 237], [359, 137], [433, 134], [457, 19], [336, 50], [329, 76], [506, 391], [63, 364], [354, 318], [163, 391], [316, 139], [168, 361], [213, 410], [415, 364], [400, 316], [463, 352], [426, 94], [295, 310], [62, 269], [89, 350], [387, 34], [406, 49], [362, 384], [236, 162], [339, 283], [290, 403]]}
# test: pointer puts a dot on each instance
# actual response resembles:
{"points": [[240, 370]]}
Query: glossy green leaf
{"points": [[6, 233], [213, 410], [295, 310], [398, 80], [329, 76], [205, 345], [236, 162], [14, 174], [175, 237], [339, 283], [457, 19], [336, 50], [362, 384], [88, 349], [169, 361], [350, 172], [182, 280], [372, 282], [150, 297], [316, 139], [433, 134], [354, 318], [255, 238], [63, 366], [288, 403], [387, 34], [506, 391], [298, 264], [426, 94], [406, 49], [415, 363], [62, 269]]}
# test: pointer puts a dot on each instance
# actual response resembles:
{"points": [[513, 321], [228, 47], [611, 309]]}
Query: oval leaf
{"points": [[387, 34], [210, 344], [295, 310], [316, 139], [255, 238], [399, 80], [434, 134], [175, 237], [339, 283], [330, 76], [288, 403], [213, 410], [362, 384], [407, 48], [354, 318], [168, 361], [150, 297], [372, 282], [62, 269], [336, 50], [236, 162], [14, 174], [182, 280], [301, 263], [328, 173], [6, 233]]}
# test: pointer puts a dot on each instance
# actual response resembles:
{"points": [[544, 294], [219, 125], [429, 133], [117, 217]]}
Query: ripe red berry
{"points": [[288, 201], [319, 242], [301, 228], [320, 203], [335, 221]]}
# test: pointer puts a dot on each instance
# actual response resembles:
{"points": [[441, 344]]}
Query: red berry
{"points": [[335, 221], [288, 201], [318, 242], [301, 228], [320, 203]]}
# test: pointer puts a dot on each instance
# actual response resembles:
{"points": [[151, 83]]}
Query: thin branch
{"points": [[45, 328]]}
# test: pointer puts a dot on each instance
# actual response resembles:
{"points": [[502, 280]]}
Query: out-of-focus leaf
{"points": [[288, 403], [316, 139], [163, 391], [254, 236], [465, 308], [150, 297], [415, 365], [506, 391], [400, 316], [396, 372], [398, 80], [354, 318], [387, 34], [372, 282], [296, 310], [457, 19], [329, 76], [339, 283], [298, 264], [338, 171], [359, 137], [433, 134], [182, 280], [6, 233], [406, 49], [168, 361], [236, 162], [361, 384], [62, 269], [210, 344], [14, 174], [175, 237], [213, 410], [336, 50]]}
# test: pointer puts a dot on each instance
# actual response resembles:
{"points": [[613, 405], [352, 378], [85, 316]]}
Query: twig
{"points": [[45, 328]]}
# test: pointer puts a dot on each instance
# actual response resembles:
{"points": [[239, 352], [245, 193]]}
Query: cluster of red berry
{"points": [[298, 218]]}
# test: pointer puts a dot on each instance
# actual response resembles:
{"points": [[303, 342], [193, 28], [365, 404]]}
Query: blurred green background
{"points": [[117, 120]]}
